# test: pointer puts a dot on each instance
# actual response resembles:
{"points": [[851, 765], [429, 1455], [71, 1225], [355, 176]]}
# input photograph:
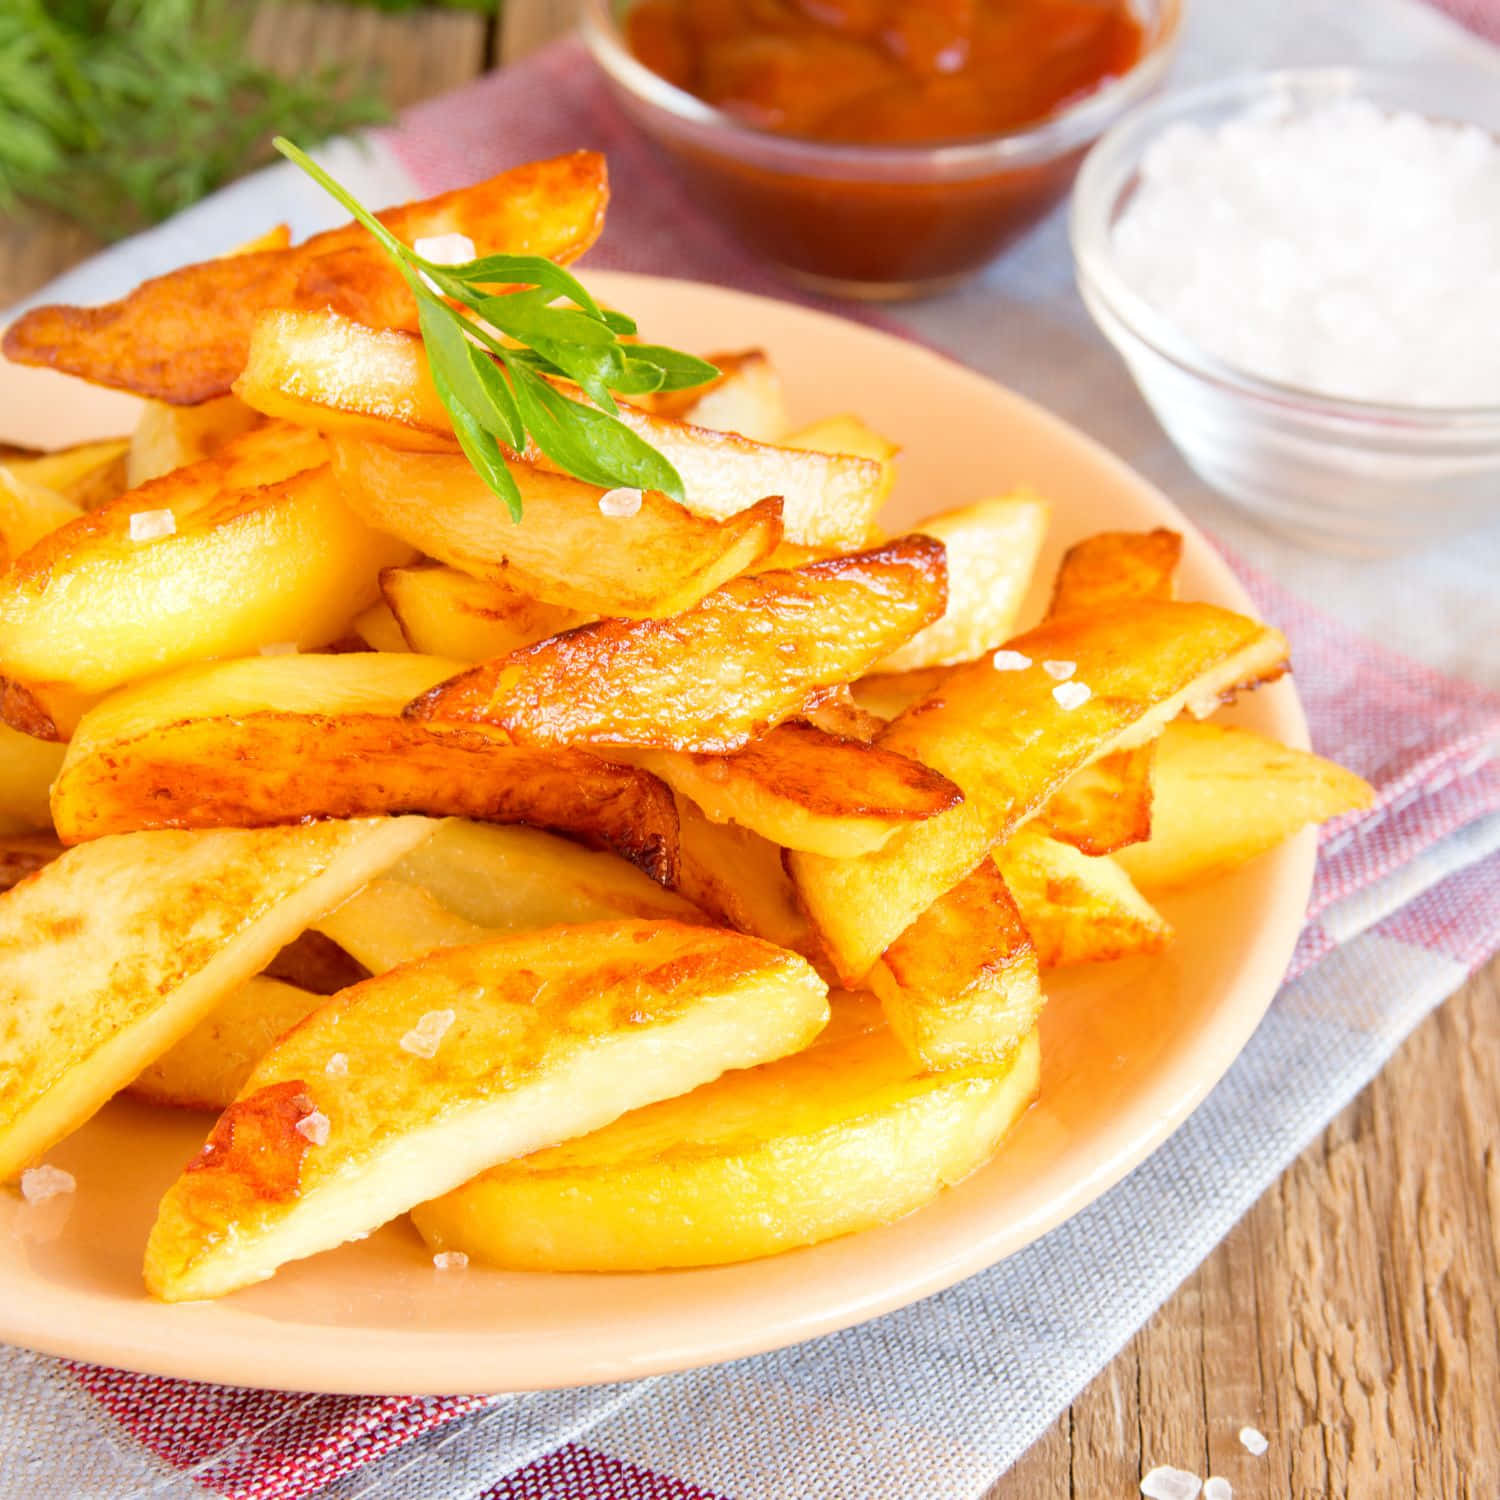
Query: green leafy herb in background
{"points": [[494, 371], [118, 113]]}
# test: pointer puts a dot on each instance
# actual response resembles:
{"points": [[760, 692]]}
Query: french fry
{"points": [[747, 398], [28, 512], [43, 710], [392, 922], [563, 550], [960, 987], [28, 767], [887, 695], [23, 854], [844, 1135], [804, 789], [468, 1058], [444, 612], [992, 550], [362, 385], [209, 1066], [379, 628], [712, 679], [254, 546], [1008, 742], [271, 740], [1077, 909], [89, 474], [195, 915], [1106, 806], [184, 337], [1224, 795], [172, 437]]}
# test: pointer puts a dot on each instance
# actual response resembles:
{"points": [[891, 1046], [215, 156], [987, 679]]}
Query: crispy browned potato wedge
{"points": [[1008, 741], [747, 398], [172, 437], [209, 1066], [961, 987], [1115, 567], [804, 789], [261, 549], [847, 1134], [349, 381], [193, 914], [270, 740], [1225, 795], [89, 474], [712, 679], [471, 1057], [183, 337], [836, 712], [445, 612], [563, 550], [1108, 805], [317, 964], [992, 550], [43, 710], [1077, 909]]}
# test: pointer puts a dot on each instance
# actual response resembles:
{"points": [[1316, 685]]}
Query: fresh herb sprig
{"points": [[494, 371]]}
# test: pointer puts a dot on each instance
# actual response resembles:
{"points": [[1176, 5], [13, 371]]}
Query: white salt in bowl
{"points": [[1364, 477]]}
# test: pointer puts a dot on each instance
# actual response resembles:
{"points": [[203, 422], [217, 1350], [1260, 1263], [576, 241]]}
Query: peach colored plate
{"points": [[1129, 1048]]}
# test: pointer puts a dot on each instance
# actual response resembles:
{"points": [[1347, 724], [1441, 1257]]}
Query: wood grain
{"points": [[1354, 1315]]}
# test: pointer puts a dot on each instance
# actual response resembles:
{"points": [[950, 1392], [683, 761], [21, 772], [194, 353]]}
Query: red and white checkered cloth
{"points": [[936, 1400]]}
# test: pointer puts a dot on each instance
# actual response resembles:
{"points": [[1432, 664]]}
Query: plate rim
{"points": [[41, 1321]]}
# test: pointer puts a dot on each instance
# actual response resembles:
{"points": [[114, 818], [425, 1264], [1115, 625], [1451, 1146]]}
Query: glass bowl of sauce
{"points": [[879, 148]]}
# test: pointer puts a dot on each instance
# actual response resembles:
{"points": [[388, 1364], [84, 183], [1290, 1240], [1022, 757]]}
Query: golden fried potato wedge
{"points": [[1224, 795], [88, 474], [352, 382], [509, 878], [746, 397], [209, 1066], [1009, 739], [835, 712], [804, 789], [887, 695], [183, 337], [445, 612], [28, 767], [282, 739], [992, 550], [716, 676], [111, 954], [28, 512], [393, 922], [468, 1058], [961, 986], [1106, 806], [379, 628], [1114, 568], [842, 1136], [738, 878], [564, 550], [258, 553], [172, 437], [1077, 909], [850, 437]]}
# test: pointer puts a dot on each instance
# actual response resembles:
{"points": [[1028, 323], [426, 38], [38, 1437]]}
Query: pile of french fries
{"points": [[608, 891]]}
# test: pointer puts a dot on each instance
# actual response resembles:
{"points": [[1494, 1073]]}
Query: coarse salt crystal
{"points": [[279, 648], [1167, 1483], [314, 1127], [1071, 695], [1216, 1487], [1062, 670], [152, 525], [1254, 1440], [40, 1183], [621, 502], [424, 1039], [450, 1260], [338, 1066], [445, 249], [1010, 661]]}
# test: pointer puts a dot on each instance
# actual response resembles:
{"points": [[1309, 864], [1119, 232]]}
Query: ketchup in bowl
{"points": [[879, 147]]}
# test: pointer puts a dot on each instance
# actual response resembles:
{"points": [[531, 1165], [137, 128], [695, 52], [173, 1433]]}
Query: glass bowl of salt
{"points": [[1302, 271]]}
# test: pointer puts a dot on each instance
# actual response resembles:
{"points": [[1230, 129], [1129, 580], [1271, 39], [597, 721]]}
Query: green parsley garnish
{"points": [[501, 394]]}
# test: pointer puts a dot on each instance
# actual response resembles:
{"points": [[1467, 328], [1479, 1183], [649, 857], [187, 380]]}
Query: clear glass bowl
{"points": [[866, 221], [1358, 477]]}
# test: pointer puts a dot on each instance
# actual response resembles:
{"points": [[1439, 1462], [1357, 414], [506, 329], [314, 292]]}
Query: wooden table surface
{"points": [[1354, 1315]]}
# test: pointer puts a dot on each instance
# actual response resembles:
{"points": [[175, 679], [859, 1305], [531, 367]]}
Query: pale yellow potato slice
{"points": [[391, 922], [88, 474], [28, 512], [470, 1057], [28, 767], [446, 612], [1224, 795], [842, 1136], [115, 951], [747, 398], [171, 437]]}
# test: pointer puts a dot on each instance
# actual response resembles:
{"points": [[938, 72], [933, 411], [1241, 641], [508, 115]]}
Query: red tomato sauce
{"points": [[887, 72]]}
